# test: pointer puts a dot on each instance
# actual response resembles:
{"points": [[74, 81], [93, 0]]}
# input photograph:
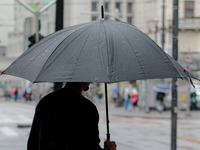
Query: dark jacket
{"points": [[65, 120]]}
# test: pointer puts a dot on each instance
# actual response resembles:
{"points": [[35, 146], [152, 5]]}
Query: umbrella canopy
{"points": [[99, 51], [28, 88], [161, 88], [13, 90], [134, 91], [114, 89]]}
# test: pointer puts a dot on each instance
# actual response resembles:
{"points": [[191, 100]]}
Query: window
{"points": [[129, 7], [106, 6], [189, 9], [130, 19], [94, 18], [106, 17], [94, 6], [118, 5]]}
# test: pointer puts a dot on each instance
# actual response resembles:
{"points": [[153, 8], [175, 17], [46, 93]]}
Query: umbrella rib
{"points": [[47, 39], [50, 37], [176, 70], [133, 51], [55, 50], [81, 50], [102, 62], [107, 50]]}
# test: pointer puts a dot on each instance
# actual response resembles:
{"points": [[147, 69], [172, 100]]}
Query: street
{"points": [[134, 130], [11, 115]]}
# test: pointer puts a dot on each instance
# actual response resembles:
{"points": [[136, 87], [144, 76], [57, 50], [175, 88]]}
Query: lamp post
{"points": [[174, 109], [156, 29]]}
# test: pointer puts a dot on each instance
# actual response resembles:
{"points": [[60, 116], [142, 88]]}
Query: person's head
{"points": [[78, 86]]}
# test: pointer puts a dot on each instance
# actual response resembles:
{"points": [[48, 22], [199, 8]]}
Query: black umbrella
{"points": [[99, 51]]}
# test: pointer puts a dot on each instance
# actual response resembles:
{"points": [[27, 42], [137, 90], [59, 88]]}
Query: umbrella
{"points": [[28, 88], [161, 88], [134, 91], [13, 90], [114, 89], [99, 51]]}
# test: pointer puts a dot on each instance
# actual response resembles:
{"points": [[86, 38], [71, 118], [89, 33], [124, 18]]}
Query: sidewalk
{"points": [[20, 103], [120, 112], [153, 114]]}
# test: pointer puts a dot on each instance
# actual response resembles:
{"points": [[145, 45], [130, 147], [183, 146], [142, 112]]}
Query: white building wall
{"points": [[15, 44], [6, 20], [189, 41], [74, 9], [144, 11]]}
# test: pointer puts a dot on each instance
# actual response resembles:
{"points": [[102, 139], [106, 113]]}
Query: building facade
{"points": [[6, 23], [147, 15]]}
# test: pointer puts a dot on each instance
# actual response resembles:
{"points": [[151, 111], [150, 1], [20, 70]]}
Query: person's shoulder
{"points": [[50, 98], [90, 104]]}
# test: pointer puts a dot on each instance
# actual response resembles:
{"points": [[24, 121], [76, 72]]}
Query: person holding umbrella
{"points": [[90, 52], [161, 90], [64, 119]]}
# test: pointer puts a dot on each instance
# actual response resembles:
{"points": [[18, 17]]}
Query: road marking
{"points": [[190, 140], [136, 121], [5, 119], [8, 119], [8, 132], [24, 118]]}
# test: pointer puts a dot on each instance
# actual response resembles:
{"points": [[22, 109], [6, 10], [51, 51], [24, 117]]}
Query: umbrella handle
{"points": [[107, 117]]}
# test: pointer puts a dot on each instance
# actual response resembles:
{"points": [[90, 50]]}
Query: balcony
{"points": [[192, 24]]}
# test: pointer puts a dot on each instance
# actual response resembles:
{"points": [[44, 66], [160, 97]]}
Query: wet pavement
{"points": [[139, 130], [135, 130]]}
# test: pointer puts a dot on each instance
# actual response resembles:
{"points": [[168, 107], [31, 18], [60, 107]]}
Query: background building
{"points": [[153, 17]]}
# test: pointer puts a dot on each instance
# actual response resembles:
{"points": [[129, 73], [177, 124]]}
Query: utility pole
{"points": [[156, 29], [59, 14], [163, 26], [174, 108], [59, 26]]}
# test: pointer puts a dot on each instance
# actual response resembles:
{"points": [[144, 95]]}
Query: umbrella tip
{"points": [[186, 68], [1, 72], [102, 12]]}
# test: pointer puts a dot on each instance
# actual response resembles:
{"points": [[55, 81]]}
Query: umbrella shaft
{"points": [[107, 117]]}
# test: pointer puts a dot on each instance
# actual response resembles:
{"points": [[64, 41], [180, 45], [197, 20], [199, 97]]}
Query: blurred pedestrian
{"points": [[193, 102], [29, 96], [20, 94], [160, 101], [33, 96], [126, 98], [115, 96], [100, 96], [66, 120], [25, 95], [16, 94], [134, 96]]}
